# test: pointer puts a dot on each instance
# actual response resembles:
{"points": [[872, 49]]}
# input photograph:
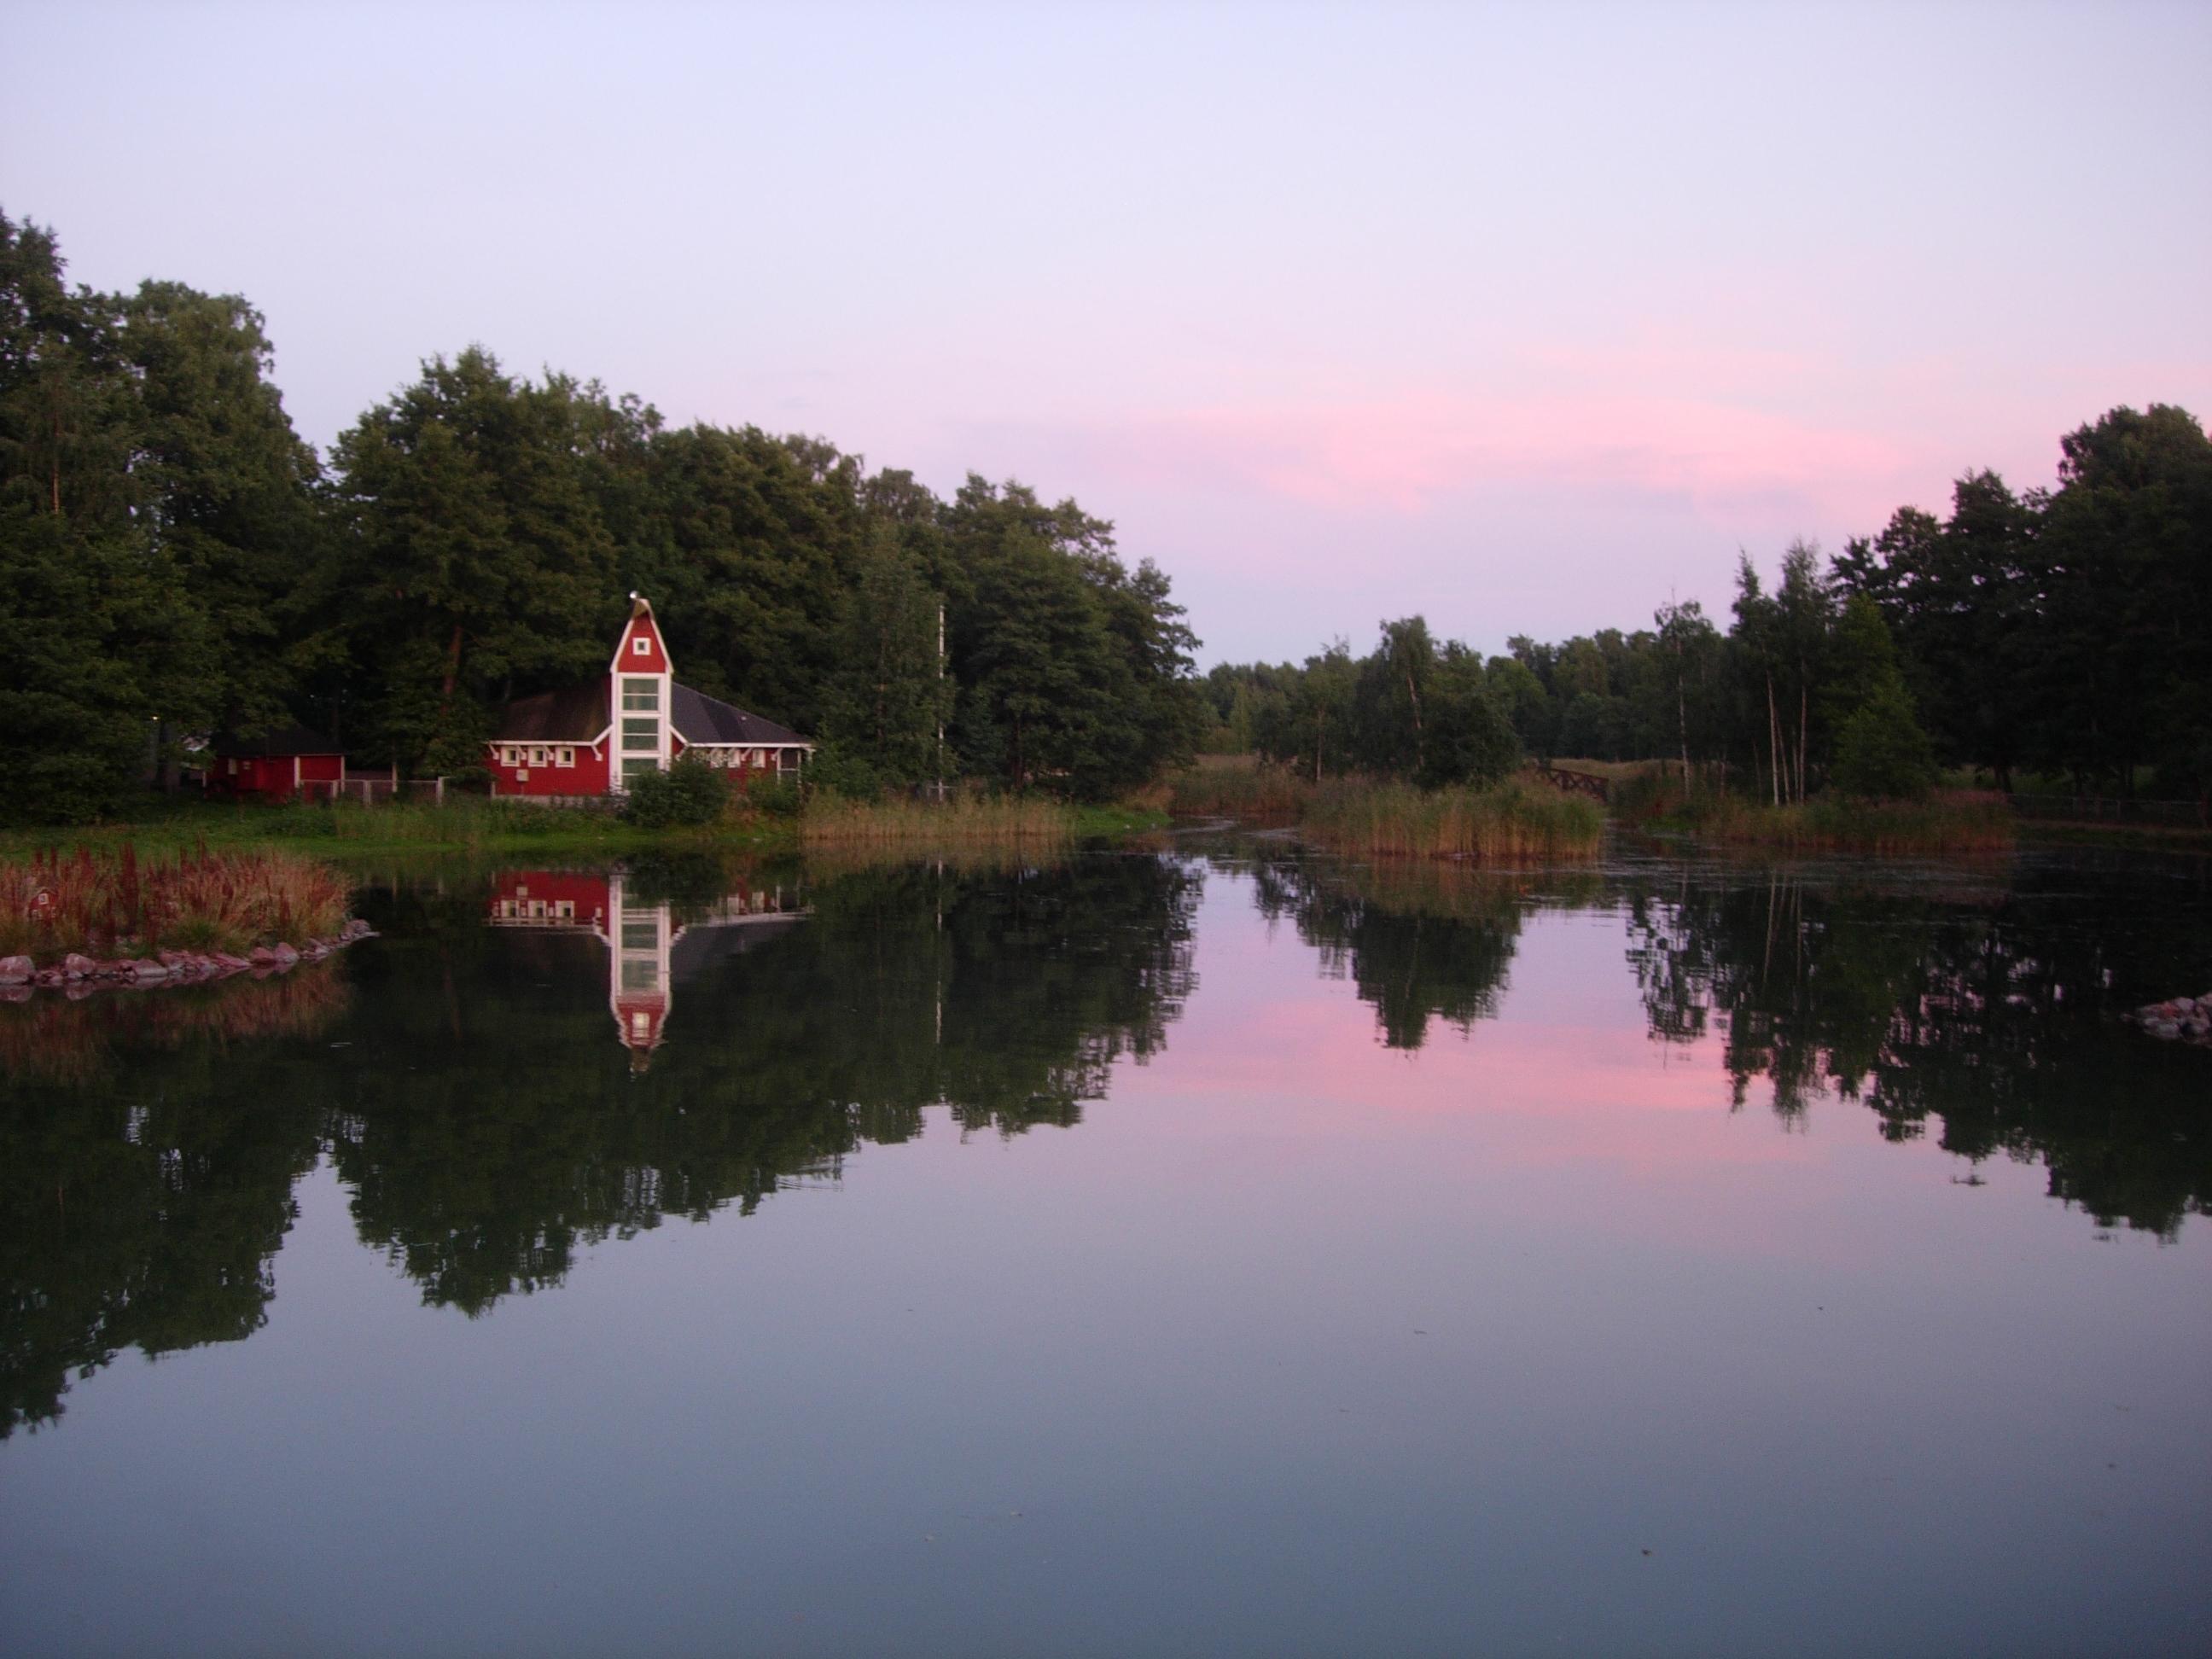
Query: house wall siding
{"points": [[588, 776]]}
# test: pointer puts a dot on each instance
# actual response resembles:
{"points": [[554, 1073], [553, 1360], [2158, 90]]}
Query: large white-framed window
{"points": [[641, 736]]}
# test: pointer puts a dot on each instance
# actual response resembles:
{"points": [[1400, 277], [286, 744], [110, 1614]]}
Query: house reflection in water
{"points": [[648, 950]]}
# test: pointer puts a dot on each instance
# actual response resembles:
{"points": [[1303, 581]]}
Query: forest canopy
{"points": [[174, 560], [2068, 631]]}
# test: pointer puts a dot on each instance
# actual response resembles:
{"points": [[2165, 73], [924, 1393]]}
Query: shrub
{"points": [[778, 797], [688, 793], [844, 774], [1881, 752]]}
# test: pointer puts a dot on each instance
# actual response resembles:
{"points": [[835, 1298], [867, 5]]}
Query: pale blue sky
{"points": [[1523, 316]]}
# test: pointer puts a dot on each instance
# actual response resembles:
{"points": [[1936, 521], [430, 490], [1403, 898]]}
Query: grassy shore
{"points": [[471, 824], [114, 903], [1948, 821], [467, 824]]}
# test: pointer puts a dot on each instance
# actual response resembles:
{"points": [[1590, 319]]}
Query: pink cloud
{"points": [[1406, 453]]}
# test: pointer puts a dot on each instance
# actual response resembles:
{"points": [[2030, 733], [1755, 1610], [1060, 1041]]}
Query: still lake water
{"points": [[1216, 1251]]}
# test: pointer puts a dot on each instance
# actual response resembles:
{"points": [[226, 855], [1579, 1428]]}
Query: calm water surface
{"points": [[1223, 1251]]}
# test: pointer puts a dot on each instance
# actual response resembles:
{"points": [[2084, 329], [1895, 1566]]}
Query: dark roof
{"points": [[578, 714], [702, 719], [295, 739]]}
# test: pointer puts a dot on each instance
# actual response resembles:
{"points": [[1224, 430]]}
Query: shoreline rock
{"points": [[77, 975]]}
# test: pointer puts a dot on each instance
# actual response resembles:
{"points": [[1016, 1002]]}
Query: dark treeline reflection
{"points": [[1982, 1013], [1419, 941], [1976, 1009], [609, 1051]]}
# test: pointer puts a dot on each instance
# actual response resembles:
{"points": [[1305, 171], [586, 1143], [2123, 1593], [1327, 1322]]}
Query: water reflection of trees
{"points": [[1983, 1016], [141, 1207], [1419, 941], [509, 1129], [1973, 1008], [490, 1121]]}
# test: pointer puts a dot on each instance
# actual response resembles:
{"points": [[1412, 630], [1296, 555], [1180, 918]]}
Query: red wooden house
{"points": [[588, 740], [276, 766]]}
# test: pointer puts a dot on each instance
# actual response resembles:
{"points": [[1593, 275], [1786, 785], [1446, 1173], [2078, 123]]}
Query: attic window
{"points": [[641, 646]]}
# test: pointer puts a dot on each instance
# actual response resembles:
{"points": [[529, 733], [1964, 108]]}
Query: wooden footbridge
{"points": [[1571, 782]]}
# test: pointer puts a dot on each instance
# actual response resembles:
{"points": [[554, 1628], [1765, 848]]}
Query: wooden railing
{"points": [[1575, 783]]}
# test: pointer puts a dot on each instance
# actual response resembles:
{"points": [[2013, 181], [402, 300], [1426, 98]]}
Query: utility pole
{"points": [[940, 702]]}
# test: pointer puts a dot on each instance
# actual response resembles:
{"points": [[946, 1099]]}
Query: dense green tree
{"points": [[1310, 724], [890, 697], [475, 564], [755, 543], [103, 649], [230, 490], [1522, 695], [2126, 567], [1686, 658], [1470, 739], [1393, 697], [1074, 673]]}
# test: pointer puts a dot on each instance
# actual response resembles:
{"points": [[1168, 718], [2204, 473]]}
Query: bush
{"points": [[1881, 752], [688, 793], [844, 774], [779, 798]]}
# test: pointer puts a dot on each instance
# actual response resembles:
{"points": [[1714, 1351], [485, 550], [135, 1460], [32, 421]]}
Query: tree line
{"points": [[2067, 631], [176, 561]]}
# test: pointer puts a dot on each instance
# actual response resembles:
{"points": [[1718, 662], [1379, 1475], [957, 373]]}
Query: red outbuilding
{"points": [[588, 740], [291, 761]]}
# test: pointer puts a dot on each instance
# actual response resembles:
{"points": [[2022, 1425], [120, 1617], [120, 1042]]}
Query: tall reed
{"points": [[831, 821], [1509, 822]]}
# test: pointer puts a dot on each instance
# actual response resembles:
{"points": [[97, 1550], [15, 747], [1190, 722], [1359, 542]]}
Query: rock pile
{"points": [[2182, 1019], [80, 975]]}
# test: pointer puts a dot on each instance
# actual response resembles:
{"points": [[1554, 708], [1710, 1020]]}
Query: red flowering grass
{"points": [[111, 904]]}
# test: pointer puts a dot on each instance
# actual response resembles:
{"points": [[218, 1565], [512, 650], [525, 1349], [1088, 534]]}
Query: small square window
{"points": [[566, 757], [641, 646]]}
